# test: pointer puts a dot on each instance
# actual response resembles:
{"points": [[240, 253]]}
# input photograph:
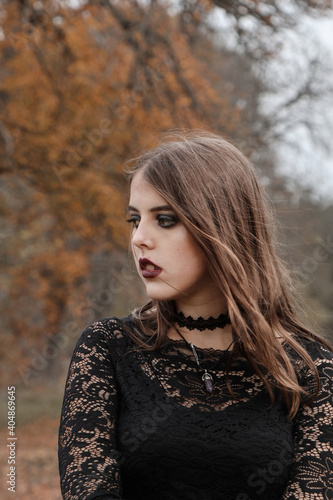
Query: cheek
{"points": [[189, 259], [198, 265]]}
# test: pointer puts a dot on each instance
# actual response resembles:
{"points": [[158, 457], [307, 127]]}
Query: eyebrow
{"points": [[160, 208]]}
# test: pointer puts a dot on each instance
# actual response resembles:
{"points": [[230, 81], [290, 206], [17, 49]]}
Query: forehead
{"points": [[143, 194]]}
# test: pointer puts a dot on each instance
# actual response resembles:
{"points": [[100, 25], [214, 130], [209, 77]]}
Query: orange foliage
{"points": [[83, 91]]}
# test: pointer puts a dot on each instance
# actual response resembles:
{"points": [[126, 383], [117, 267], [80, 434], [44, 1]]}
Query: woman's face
{"points": [[169, 261]]}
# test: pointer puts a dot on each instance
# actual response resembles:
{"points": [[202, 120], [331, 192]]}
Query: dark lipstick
{"points": [[149, 273]]}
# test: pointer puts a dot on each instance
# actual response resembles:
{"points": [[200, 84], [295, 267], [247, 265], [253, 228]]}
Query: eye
{"points": [[167, 220], [134, 219]]}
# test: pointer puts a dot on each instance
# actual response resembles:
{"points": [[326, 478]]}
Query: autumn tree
{"points": [[81, 91]]}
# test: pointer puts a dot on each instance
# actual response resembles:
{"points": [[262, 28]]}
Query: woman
{"points": [[212, 390]]}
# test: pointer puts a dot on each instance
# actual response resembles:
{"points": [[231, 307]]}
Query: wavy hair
{"points": [[215, 192]]}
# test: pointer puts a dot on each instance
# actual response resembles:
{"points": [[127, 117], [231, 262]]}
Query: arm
{"points": [[311, 476], [88, 455]]}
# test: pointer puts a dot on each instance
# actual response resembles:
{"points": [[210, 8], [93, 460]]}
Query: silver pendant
{"points": [[208, 379]]}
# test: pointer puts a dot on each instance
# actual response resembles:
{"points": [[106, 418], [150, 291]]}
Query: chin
{"points": [[157, 292]]}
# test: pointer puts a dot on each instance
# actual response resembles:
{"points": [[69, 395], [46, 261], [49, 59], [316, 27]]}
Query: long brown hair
{"points": [[215, 192]]}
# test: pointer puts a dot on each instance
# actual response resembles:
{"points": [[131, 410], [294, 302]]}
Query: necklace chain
{"points": [[206, 377]]}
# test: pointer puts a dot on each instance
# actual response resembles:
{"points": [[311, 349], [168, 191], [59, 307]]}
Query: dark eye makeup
{"points": [[167, 220], [134, 219], [163, 220]]}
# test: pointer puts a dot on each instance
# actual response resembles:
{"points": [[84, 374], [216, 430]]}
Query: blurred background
{"points": [[84, 86]]}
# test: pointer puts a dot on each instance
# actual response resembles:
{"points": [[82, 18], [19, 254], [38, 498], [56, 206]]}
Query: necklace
{"points": [[206, 377], [201, 323]]}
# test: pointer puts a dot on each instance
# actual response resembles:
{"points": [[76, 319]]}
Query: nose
{"points": [[142, 237]]}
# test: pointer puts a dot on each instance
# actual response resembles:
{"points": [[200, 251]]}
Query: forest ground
{"points": [[37, 477]]}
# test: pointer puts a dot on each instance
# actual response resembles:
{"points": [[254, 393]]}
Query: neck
{"points": [[213, 307]]}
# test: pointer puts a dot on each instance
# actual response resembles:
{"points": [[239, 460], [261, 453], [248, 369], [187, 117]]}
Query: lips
{"points": [[149, 269]]}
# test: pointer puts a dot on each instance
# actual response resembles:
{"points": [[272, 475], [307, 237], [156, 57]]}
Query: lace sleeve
{"points": [[87, 436], [311, 475]]}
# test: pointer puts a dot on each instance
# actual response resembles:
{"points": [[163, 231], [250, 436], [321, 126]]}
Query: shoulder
{"points": [[322, 358], [115, 335], [318, 351], [320, 355]]}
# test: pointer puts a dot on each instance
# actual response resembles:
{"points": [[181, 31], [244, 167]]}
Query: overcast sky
{"points": [[318, 163], [301, 157]]}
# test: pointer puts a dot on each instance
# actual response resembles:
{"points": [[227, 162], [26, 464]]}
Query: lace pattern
{"points": [[139, 425]]}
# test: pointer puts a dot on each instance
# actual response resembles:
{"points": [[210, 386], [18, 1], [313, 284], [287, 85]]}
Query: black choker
{"points": [[200, 323]]}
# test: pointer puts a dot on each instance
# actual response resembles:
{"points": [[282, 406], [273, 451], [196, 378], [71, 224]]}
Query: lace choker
{"points": [[201, 323]]}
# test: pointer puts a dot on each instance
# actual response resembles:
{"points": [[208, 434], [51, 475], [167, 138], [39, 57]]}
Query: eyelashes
{"points": [[165, 221], [134, 220]]}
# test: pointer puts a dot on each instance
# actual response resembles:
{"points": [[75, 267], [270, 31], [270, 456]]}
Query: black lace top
{"points": [[139, 425]]}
